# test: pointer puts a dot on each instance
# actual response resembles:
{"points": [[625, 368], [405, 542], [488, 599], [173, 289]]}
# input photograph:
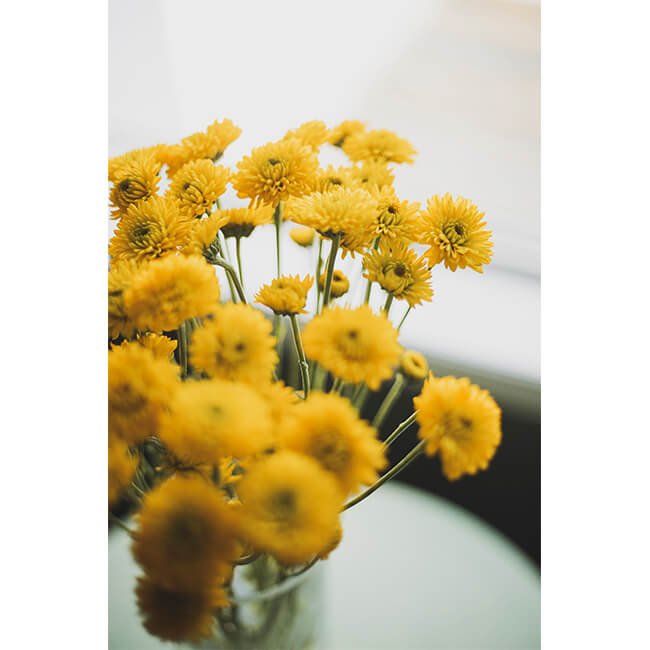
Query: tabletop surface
{"points": [[413, 572]]}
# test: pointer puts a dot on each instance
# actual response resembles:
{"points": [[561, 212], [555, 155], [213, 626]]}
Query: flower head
{"points": [[353, 344], [286, 295], [121, 468], [209, 144], [339, 134], [312, 134], [151, 228], [276, 171], [371, 174], [185, 538], [135, 179], [178, 616], [290, 507], [413, 365], [197, 185], [120, 276], [302, 235], [332, 178], [281, 399], [237, 345], [162, 346], [203, 234], [400, 272], [139, 387], [328, 428], [455, 232], [240, 222], [380, 145], [340, 283], [394, 219], [145, 158], [210, 419], [459, 420], [171, 290]]}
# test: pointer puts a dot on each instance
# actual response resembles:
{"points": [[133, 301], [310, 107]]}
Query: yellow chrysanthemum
{"points": [[413, 365], [456, 234], [290, 507], [133, 181], [328, 428], [150, 229], [197, 185], [303, 235], [459, 420], [394, 219], [380, 145], [210, 419], [276, 171], [340, 283], [338, 135], [185, 537], [237, 345], [120, 276], [332, 178], [240, 222], [178, 616], [121, 468], [203, 234], [171, 290], [313, 134], [286, 295], [209, 144], [353, 344], [400, 272], [139, 387], [372, 174], [146, 157], [281, 399], [162, 346], [334, 213]]}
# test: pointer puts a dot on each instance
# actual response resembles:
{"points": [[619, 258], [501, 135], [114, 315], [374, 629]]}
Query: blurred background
{"points": [[460, 80]]}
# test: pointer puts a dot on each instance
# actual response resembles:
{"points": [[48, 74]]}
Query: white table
{"points": [[413, 572]]}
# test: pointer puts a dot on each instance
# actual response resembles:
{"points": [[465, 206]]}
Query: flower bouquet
{"points": [[238, 459]]}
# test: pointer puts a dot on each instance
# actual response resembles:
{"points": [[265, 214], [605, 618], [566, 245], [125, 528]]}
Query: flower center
{"points": [[283, 504], [126, 400], [330, 449], [455, 233], [456, 426], [187, 535]]}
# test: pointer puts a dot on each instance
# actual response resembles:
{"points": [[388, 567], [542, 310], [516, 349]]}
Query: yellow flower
{"points": [[413, 365], [339, 134], [327, 428], [162, 346], [400, 272], [394, 219], [340, 283], [186, 534], [178, 616], [209, 145], [303, 235], [197, 185], [171, 290], [455, 232], [151, 228], [133, 181], [286, 295], [380, 145], [121, 468], [281, 399], [203, 234], [371, 174], [147, 157], [353, 344], [276, 171], [240, 222], [236, 345], [461, 421], [120, 276], [290, 507], [334, 213], [210, 419], [331, 179], [312, 134], [139, 387]]}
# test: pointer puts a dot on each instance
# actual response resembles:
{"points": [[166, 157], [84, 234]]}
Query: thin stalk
{"points": [[182, 348], [302, 360], [277, 219], [406, 313], [247, 559], [391, 473], [369, 286], [327, 290], [391, 397], [223, 248], [337, 385], [319, 377], [388, 303], [232, 274], [119, 522], [400, 429], [319, 266], [239, 265], [360, 399]]}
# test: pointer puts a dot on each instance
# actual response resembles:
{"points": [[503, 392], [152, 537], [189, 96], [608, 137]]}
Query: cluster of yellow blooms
{"points": [[225, 461]]}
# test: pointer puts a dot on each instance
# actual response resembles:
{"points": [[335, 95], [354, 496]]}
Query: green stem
{"points": [[337, 385], [232, 274], [319, 377], [302, 360], [327, 290], [388, 303], [369, 286], [391, 397], [239, 265], [319, 266], [182, 348], [223, 247], [119, 522], [401, 428], [406, 313], [277, 219], [391, 473]]}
